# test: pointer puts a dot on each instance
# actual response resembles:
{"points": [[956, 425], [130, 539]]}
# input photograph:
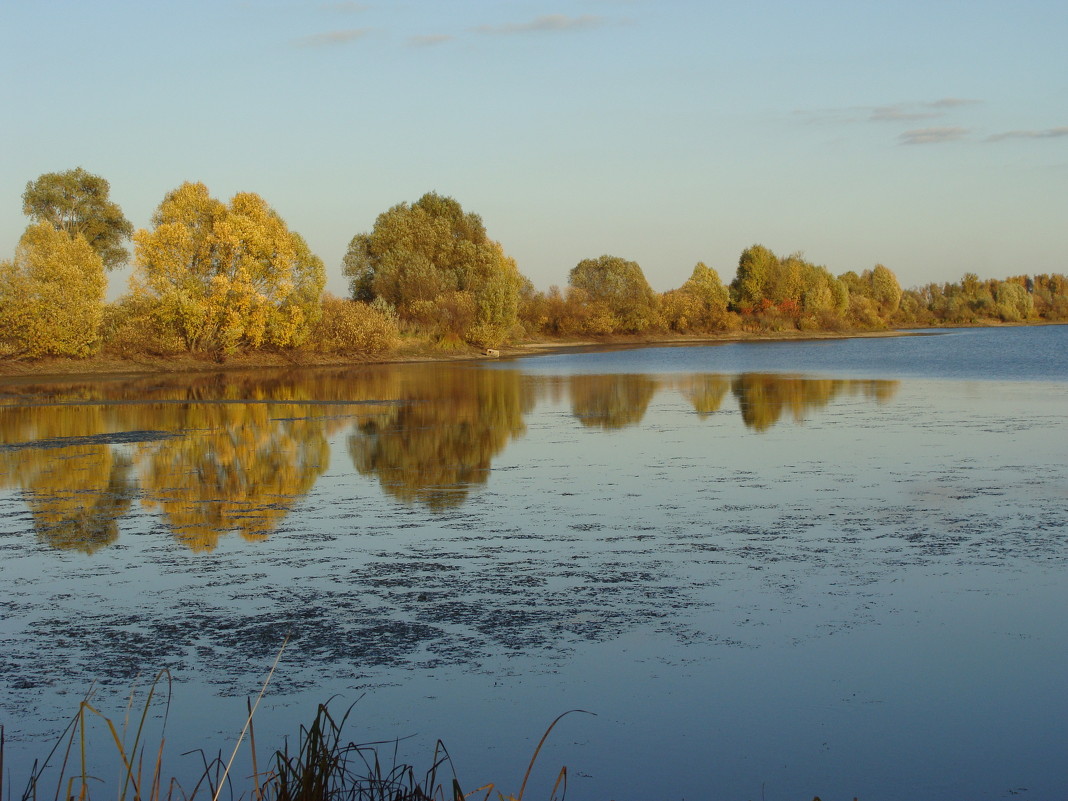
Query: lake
{"points": [[771, 570]]}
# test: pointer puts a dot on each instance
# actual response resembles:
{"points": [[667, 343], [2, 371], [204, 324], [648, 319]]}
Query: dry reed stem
{"points": [[248, 721]]}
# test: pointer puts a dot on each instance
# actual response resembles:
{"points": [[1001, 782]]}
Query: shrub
{"points": [[131, 328], [350, 326]]}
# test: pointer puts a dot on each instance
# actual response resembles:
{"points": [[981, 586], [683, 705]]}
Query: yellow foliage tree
{"points": [[227, 276], [51, 296], [699, 305]]}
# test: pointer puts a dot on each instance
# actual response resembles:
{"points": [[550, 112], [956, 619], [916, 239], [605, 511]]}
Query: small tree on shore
{"points": [[224, 276], [51, 295]]}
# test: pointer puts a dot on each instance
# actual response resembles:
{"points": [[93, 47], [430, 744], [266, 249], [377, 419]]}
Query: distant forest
{"points": [[219, 278]]}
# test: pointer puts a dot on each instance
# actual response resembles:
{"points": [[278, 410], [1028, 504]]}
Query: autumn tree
{"points": [[619, 297], [787, 291], [1014, 304], [76, 202], [885, 291], [224, 276], [51, 295], [437, 266], [1050, 296], [756, 270], [699, 305]]}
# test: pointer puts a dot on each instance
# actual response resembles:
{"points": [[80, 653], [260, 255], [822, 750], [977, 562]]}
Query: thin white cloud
{"points": [[911, 111], [430, 41], [932, 136], [953, 102], [332, 38], [918, 110], [550, 23], [900, 113], [345, 8], [1048, 133]]}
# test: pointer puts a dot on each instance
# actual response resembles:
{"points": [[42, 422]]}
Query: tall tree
{"points": [[226, 276], [699, 305], [757, 269], [77, 202], [51, 295], [436, 264], [619, 286]]}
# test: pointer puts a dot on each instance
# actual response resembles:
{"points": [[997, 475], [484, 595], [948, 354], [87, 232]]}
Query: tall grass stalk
{"points": [[251, 712], [323, 767]]}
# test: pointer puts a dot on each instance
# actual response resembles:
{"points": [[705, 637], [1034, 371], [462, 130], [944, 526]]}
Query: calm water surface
{"points": [[771, 570]]}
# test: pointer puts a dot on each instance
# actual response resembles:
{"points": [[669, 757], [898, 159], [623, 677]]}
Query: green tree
{"points": [[438, 267], [699, 305], [226, 276], [757, 267], [1014, 304], [618, 292], [885, 291], [51, 295], [77, 202], [874, 296]]}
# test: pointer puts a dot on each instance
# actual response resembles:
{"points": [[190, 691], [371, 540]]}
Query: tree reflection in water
{"points": [[705, 392], [436, 447], [76, 493], [611, 401], [224, 453], [763, 398]]}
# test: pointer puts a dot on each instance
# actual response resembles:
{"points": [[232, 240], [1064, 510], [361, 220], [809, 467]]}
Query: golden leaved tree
{"points": [[51, 295], [222, 277]]}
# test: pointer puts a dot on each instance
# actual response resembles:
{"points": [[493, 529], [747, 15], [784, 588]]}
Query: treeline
{"points": [[220, 278]]}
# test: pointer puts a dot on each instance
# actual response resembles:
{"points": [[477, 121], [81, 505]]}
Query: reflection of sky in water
{"points": [[867, 602]]}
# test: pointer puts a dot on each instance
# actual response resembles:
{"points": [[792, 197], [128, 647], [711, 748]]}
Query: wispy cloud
{"points": [[932, 136], [910, 111], [430, 41], [1048, 133], [550, 23], [921, 110], [954, 102], [332, 38], [345, 8], [899, 113]]}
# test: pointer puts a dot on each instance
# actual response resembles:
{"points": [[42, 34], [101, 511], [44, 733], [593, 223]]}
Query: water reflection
{"points": [[705, 392], [239, 469], [611, 401], [763, 398], [78, 507], [234, 453], [437, 446]]}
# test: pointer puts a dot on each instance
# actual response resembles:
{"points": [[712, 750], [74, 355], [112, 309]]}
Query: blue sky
{"points": [[929, 136]]}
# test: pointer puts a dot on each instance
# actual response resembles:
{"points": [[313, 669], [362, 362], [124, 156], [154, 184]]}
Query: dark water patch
{"points": [[112, 438]]}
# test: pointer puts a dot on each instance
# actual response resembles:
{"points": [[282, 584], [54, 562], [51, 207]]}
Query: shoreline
{"points": [[117, 367], [113, 367]]}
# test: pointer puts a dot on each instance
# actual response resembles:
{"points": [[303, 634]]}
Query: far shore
{"points": [[112, 366]]}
